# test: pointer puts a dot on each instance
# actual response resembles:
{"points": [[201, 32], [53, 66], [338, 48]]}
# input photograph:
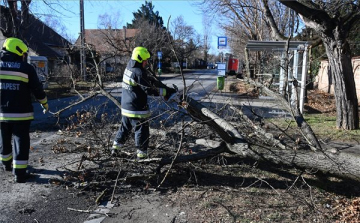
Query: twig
{"points": [[176, 155], [76, 103], [113, 193], [87, 211], [83, 157], [97, 201], [297, 178]]}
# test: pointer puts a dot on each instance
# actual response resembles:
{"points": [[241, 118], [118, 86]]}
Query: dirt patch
{"points": [[320, 102]]}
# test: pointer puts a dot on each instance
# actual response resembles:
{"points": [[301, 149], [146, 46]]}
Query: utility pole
{"points": [[82, 42]]}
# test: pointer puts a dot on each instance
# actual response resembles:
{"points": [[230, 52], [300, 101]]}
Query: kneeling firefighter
{"points": [[136, 86], [18, 80]]}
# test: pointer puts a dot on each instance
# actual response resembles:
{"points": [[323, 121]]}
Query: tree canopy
{"points": [[146, 12]]}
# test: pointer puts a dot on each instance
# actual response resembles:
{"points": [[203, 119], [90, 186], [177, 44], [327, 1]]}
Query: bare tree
{"points": [[16, 19], [185, 39], [207, 24], [333, 20]]}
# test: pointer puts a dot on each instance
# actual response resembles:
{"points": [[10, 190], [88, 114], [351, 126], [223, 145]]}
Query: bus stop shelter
{"points": [[295, 48]]}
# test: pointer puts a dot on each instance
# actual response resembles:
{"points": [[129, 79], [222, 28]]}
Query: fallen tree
{"points": [[264, 146], [255, 142]]}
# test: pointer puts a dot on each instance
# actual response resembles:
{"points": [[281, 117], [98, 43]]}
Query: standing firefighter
{"points": [[18, 80], [136, 86]]}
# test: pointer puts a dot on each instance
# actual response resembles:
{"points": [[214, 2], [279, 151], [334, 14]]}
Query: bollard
{"points": [[220, 83]]}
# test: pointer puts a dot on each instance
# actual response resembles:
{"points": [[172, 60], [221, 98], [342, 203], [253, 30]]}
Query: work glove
{"points": [[169, 91], [45, 107]]}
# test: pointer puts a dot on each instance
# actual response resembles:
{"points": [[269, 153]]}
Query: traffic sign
{"points": [[222, 41]]}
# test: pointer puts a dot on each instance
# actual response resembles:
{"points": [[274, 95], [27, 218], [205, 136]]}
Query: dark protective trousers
{"points": [[18, 153], [139, 126]]}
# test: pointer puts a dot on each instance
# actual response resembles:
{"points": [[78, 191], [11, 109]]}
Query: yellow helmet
{"points": [[140, 54], [15, 45]]}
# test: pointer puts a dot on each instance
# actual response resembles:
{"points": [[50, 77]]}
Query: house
{"points": [[41, 40], [114, 46], [325, 82]]}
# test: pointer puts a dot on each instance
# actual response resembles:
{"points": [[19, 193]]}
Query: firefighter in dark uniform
{"points": [[136, 86], [18, 80]]}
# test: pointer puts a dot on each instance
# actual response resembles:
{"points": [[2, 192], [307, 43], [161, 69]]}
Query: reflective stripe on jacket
{"points": [[18, 81], [16, 116], [135, 89]]}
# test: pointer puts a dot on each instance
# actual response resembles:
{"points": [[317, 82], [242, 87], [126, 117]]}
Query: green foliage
{"points": [[146, 12]]}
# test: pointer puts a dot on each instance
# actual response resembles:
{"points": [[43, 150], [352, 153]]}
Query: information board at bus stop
{"points": [[221, 67]]}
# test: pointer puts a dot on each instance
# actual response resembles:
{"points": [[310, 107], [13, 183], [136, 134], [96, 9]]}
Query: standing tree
{"points": [[15, 19], [334, 20], [185, 39], [152, 34], [146, 12], [207, 36]]}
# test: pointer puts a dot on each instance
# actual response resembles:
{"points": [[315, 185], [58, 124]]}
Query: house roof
{"points": [[103, 39], [40, 38]]}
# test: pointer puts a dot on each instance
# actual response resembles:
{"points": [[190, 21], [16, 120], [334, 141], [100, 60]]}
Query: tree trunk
{"points": [[334, 32], [339, 55]]}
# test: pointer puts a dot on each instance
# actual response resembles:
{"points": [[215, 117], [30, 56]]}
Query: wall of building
{"points": [[324, 82]]}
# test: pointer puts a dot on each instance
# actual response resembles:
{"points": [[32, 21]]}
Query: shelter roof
{"points": [[254, 45]]}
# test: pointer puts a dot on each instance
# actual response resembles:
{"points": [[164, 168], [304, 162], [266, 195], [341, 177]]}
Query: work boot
{"points": [[114, 152], [22, 178], [140, 155], [115, 148]]}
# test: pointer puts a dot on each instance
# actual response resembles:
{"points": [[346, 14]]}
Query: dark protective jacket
{"points": [[136, 86], [18, 80]]}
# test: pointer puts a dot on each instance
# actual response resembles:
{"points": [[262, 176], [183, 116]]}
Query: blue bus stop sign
{"points": [[159, 54], [222, 42]]}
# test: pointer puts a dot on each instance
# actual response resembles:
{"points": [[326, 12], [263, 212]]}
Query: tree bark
{"points": [[233, 139], [347, 112]]}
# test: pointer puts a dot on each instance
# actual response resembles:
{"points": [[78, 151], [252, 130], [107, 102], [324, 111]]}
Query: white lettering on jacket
{"points": [[5, 105], [9, 86], [10, 64]]}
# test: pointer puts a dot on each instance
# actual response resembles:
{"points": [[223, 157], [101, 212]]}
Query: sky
{"points": [[68, 13]]}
